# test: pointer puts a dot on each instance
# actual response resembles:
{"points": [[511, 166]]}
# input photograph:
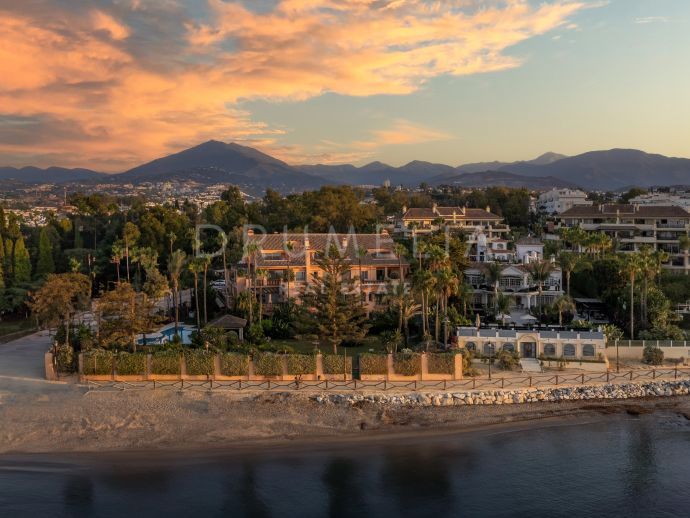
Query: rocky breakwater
{"points": [[517, 396]]}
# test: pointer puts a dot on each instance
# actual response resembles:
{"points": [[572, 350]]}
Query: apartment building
{"points": [[372, 258], [660, 199], [633, 226], [517, 283], [557, 201]]}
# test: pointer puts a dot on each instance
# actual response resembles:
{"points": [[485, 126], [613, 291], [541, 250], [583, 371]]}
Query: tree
{"points": [[45, 264], [130, 236], [176, 263], [117, 254], [540, 272], [60, 297], [403, 302], [195, 267], [631, 267], [446, 285], [684, 245], [503, 305], [564, 304], [570, 262], [492, 274], [331, 302], [124, 314], [22, 262]]}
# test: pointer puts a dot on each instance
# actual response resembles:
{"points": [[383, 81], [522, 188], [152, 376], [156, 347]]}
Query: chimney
{"points": [[344, 242]]}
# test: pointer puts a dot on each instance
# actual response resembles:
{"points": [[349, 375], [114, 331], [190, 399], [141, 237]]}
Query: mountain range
{"points": [[218, 162]]}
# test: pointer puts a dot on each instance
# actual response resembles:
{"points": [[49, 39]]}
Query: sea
{"points": [[617, 465]]}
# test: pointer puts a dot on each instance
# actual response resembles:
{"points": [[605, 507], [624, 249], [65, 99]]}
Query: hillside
{"points": [[503, 179], [48, 175]]}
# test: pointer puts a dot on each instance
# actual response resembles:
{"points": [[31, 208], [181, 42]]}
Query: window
{"points": [[488, 350], [588, 350], [300, 276], [569, 350], [509, 347], [550, 350], [471, 346]]}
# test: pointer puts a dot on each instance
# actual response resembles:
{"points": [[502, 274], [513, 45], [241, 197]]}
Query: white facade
{"points": [[556, 201], [529, 250], [661, 199]]}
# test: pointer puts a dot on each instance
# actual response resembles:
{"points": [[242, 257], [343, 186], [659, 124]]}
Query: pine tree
{"points": [[22, 262], [332, 304], [45, 264]]}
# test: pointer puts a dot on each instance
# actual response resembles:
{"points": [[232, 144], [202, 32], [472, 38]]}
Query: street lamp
{"points": [[618, 364]]}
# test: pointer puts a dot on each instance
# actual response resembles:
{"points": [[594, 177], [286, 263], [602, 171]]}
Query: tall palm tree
{"points": [[540, 272], [289, 248], [446, 285], [205, 263], [251, 250], [263, 275], [503, 305], [492, 274], [361, 254], [564, 304], [684, 244], [116, 258], [176, 263], [570, 262], [400, 298], [423, 282], [196, 267], [631, 267], [400, 252]]}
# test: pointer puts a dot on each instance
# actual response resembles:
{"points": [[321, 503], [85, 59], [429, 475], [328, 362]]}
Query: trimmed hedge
{"points": [[233, 364], [64, 358], [268, 364], [407, 364], [301, 363], [128, 364], [98, 362], [165, 362], [373, 363], [441, 363], [199, 362], [336, 364]]}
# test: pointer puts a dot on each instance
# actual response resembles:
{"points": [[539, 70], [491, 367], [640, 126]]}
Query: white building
{"points": [[557, 201], [661, 199], [529, 250]]}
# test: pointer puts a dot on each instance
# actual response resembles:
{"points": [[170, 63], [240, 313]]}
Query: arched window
{"points": [[550, 350], [509, 347], [588, 350], [471, 346], [488, 349], [569, 350]]}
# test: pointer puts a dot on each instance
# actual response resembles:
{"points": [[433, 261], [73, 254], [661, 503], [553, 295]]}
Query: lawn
{"points": [[12, 329], [307, 346]]}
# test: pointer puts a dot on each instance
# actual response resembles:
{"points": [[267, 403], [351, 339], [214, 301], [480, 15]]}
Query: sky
{"points": [[110, 84]]}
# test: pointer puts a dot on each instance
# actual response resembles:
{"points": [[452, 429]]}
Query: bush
{"points": [[98, 362], [64, 359], [506, 360], [373, 363], [268, 364], [407, 364], [301, 364], [336, 364], [165, 362], [652, 355], [131, 364], [233, 364], [199, 363], [441, 363]]}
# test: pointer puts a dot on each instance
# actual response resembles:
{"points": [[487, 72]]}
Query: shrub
{"points": [[301, 364], [64, 358], [652, 355], [199, 363], [336, 364], [506, 360], [441, 363], [407, 364], [165, 362], [233, 364], [373, 364], [268, 364], [98, 362], [130, 364]]}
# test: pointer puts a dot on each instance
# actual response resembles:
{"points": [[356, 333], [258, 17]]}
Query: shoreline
{"points": [[160, 425]]}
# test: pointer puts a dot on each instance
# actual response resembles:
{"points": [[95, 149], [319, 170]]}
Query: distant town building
{"points": [[660, 199], [557, 201], [529, 250], [633, 226], [379, 264]]}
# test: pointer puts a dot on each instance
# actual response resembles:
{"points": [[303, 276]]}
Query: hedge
{"points": [[440, 363], [131, 364], [373, 364], [233, 364], [406, 364], [199, 363], [64, 358], [165, 362], [336, 364], [301, 364], [268, 364], [98, 362]]}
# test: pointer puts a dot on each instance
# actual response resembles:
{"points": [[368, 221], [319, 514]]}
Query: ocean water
{"points": [[612, 466]]}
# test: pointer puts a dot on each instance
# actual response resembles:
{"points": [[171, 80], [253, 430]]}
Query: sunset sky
{"points": [[108, 84]]}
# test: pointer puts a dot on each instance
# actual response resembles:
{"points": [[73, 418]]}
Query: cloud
{"points": [[130, 80], [651, 19]]}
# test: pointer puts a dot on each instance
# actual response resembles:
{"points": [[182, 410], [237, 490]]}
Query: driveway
{"points": [[23, 358]]}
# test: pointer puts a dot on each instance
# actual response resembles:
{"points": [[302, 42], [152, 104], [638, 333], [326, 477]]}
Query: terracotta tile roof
{"points": [[447, 212], [638, 211]]}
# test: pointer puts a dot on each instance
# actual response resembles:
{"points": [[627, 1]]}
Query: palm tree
{"points": [[540, 272], [205, 263], [570, 262], [684, 244], [196, 267], [400, 252], [631, 267], [361, 254], [116, 258], [423, 282], [492, 274], [503, 305], [176, 263], [564, 304], [263, 275], [252, 249], [289, 247], [400, 298], [446, 285]]}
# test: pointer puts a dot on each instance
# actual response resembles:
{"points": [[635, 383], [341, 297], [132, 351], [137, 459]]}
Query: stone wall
{"points": [[517, 396]]}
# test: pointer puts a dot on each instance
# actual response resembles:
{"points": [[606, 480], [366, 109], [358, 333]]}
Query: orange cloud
{"points": [[128, 81]]}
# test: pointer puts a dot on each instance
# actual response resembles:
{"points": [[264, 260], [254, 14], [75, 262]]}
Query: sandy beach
{"points": [[71, 420]]}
